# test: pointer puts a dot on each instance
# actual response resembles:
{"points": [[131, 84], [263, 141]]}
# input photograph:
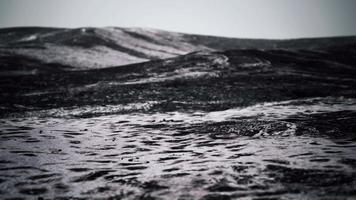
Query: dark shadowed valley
{"points": [[132, 113]]}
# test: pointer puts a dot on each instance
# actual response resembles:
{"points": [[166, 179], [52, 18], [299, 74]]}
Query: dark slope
{"points": [[224, 43], [194, 81]]}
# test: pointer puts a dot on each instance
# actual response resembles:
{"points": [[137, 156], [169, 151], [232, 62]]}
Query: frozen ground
{"points": [[239, 119]]}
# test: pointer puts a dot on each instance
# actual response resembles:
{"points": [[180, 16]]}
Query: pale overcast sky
{"points": [[234, 18]]}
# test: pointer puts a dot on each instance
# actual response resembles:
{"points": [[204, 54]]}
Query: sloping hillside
{"points": [[88, 48]]}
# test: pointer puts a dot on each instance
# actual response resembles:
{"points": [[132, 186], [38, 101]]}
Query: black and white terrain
{"points": [[132, 113]]}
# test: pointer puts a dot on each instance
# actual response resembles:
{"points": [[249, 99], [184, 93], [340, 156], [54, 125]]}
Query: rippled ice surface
{"points": [[301, 149]]}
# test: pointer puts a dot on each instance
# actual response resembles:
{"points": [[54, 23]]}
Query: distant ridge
{"points": [[88, 48]]}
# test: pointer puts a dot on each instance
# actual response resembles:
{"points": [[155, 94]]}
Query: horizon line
{"points": [[179, 32]]}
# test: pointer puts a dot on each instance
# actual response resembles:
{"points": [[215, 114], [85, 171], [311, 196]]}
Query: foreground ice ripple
{"points": [[263, 151]]}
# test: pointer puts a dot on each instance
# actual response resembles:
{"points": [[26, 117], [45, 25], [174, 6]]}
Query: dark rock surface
{"points": [[83, 116]]}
